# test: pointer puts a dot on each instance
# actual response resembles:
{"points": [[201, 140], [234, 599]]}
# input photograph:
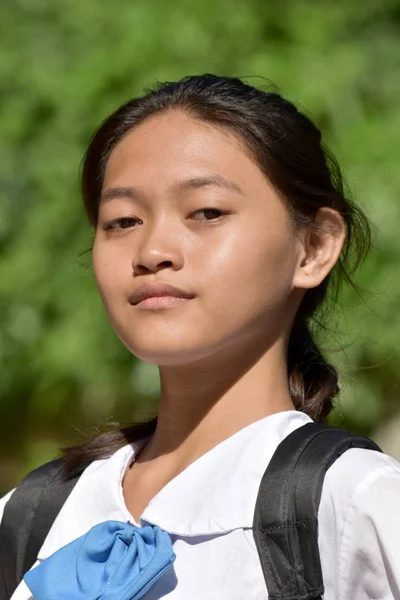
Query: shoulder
{"points": [[359, 486], [3, 502], [27, 495], [359, 525], [34, 488], [96, 497], [358, 475]]}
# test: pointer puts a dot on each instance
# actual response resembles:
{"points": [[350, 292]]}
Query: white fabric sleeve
{"points": [[359, 527], [369, 555], [3, 502]]}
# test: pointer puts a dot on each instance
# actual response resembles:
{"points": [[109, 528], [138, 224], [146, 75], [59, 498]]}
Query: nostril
{"points": [[141, 269]]}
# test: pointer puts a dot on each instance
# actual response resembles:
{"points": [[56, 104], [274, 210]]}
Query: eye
{"points": [[121, 223], [211, 214]]}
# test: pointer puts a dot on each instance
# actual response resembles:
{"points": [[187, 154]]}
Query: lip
{"points": [[161, 302], [156, 290]]}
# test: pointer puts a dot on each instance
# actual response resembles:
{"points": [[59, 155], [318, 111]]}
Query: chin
{"points": [[164, 357], [170, 344], [164, 352]]}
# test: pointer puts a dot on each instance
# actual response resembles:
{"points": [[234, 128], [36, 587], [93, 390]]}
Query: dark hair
{"points": [[287, 147]]}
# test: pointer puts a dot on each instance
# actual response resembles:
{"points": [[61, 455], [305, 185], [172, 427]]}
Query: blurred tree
{"points": [[63, 68]]}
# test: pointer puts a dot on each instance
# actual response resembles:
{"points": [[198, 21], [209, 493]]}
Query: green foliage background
{"points": [[63, 67]]}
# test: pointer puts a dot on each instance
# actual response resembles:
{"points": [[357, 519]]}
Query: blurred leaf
{"points": [[63, 68]]}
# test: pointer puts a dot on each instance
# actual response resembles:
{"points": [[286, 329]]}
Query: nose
{"points": [[158, 248]]}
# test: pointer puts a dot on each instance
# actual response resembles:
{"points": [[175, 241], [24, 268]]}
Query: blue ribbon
{"points": [[113, 561]]}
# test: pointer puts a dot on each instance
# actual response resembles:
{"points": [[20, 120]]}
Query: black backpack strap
{"points": [[27, 519], [285, 524]]}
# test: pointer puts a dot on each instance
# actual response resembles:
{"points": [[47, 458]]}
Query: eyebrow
{"points": [[120, 192], [209, 180], [193, 183]]}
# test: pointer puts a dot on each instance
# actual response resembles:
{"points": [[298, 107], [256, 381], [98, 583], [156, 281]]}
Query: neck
{"points": [[204, 403]]}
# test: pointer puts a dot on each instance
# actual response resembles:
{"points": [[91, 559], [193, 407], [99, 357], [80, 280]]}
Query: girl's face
{"points": [[184, 203]]}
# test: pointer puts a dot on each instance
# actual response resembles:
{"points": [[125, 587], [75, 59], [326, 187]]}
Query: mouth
{"points": [[161, 302], [158, 295]]}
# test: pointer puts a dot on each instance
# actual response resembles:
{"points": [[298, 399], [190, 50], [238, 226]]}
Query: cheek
{"points": [[110, 273], [253, 271]]}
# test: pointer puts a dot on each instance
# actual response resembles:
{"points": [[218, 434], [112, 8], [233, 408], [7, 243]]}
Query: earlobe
{"points": [[321, 245]]}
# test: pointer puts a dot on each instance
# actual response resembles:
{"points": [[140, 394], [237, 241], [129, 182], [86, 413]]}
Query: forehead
{"points": [[173, 145]]}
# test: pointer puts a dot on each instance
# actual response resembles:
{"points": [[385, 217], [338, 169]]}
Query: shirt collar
{"points": [[213, 495]]}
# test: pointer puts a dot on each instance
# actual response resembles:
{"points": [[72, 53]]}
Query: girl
{"points": [[219, 222]]}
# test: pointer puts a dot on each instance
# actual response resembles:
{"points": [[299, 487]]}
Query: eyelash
{"points": [[117, 224]]}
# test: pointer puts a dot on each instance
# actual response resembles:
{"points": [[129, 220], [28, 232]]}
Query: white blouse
{"points": [[208, 510]]}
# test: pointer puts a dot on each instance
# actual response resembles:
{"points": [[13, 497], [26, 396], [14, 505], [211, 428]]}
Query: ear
{"points": [[320, 245]]}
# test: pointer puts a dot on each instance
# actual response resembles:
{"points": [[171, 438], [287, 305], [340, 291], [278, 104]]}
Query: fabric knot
{"points": [[112, 561]]}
